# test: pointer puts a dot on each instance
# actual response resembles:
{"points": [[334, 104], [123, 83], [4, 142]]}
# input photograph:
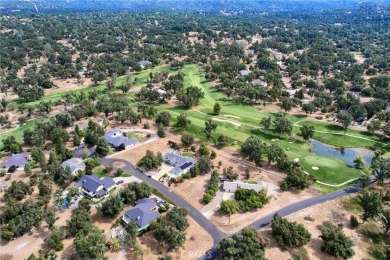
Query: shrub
{"points": [[212, 188], [354, 222], [289, 234], [207, 197]]}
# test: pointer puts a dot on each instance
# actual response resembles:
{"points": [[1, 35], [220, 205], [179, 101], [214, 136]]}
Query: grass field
{"points": [[142, 76], [233, 113], [18, 132]]}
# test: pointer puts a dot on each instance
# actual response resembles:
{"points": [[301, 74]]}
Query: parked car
{"points": [[119, 182], [12, 168]]}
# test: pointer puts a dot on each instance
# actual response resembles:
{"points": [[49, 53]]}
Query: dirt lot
{"points": [[332, 211], [61, 85], [197, 242], [136, 153], [240, 220], [27, 244], [192, 190]]}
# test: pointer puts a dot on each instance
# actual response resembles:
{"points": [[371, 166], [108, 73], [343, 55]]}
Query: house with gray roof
{"points": [[116, 139], [182, 164], [144, 63], [230, 186], [244, 73], [259, 82], [83, 124], [75, 165], [94, 187], [17, 161], [142, 214]]}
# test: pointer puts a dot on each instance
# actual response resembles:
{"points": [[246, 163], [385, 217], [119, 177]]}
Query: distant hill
{"points": [[227, 7]]}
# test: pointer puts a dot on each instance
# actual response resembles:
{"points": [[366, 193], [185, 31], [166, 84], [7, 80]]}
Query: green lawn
{"points": [[331, 170]]}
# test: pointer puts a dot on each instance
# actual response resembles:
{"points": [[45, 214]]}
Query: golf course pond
{"points": [[348, 155]]}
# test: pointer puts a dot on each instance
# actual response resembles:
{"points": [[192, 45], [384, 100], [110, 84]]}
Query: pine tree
{"points": [[161, 131]]}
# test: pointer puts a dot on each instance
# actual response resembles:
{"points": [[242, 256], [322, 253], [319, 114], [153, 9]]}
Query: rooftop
{"points": [[93, 182], [73, 164], [142, 213], [233, 186], [18, 160]]}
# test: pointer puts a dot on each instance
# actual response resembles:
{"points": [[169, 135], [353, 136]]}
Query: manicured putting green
{"points": [[321, 161]]}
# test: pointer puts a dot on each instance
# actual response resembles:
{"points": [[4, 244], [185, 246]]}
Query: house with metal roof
{"points": [[142, 214], [83, 124], [230, 186], [144, 63], [259, 82], [244, 73], [182, 163], [74, 164], [116, 139], [94, 187], [17, 161]]}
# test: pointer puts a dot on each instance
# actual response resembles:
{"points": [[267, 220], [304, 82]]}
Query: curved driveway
{"points": [[206, 224], [216, 234], [260, 223], [179, 201]]}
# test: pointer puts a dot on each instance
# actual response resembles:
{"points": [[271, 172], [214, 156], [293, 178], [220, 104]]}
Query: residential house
{"points": [[282, 67], [142, 214], [259, 82], [83, 125], [276, 54], [291, 91], [251, 52], [94, 187], [75, 165], [117, 140], [161, 92], [244, 73], [230, 186], [17, 161], [144, 63], [182, 164]]}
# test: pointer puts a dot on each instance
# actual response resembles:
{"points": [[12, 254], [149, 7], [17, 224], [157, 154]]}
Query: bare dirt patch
{"points": [[193, 189], [240, 220], [331, 211], [133, 155], [197, 242], [119, 165], [61, 85]]}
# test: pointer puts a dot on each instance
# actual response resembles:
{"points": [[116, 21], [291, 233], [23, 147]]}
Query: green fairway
{"points": [[238, 121], [18, 132], [142, 78]]}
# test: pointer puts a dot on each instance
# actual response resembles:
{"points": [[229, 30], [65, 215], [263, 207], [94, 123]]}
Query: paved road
{"points": [[179, 201], [203, 221], [260, 223]]}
